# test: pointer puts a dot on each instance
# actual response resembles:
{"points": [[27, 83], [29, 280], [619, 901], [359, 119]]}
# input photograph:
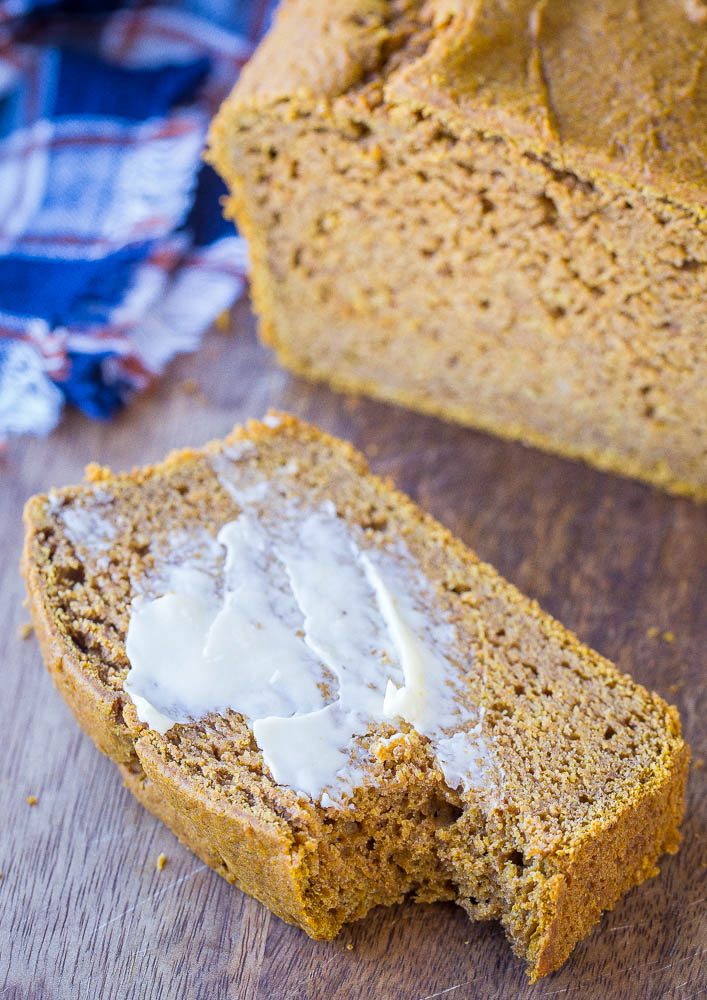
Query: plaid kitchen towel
{"points": [[114, 255]]}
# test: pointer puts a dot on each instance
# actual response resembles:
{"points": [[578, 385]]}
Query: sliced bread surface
{"points": [[451, 189], [581, 785]]}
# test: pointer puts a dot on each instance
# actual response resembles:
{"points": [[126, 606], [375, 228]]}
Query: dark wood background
{"points": [[84, 911]]}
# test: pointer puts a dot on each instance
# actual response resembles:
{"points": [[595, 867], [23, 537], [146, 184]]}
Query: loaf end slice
{"points": [[434, 222], [575, 785]]}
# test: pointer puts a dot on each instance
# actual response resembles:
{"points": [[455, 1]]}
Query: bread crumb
{"points": [[191, 387], [696, 12], [25, 630], [466, 942], [697, 764], [669, 636], [349, 947], [372, 450], [223, 321], [351, 403], [651, 632], [161, 862], [676, 686], [31, 800]]}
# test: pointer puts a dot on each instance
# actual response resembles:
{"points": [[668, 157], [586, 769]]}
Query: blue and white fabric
{"points": [[114, 255]]}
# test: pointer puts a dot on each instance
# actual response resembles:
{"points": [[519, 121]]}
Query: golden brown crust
{"points": [[247, 854], [546, 698], [528, 71], [605, 866]]}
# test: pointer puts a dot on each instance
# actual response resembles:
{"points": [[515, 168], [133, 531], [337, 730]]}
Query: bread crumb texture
{"points": [[593, 765], [518, 242]]}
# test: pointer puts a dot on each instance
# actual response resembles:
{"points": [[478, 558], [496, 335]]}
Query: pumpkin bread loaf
{"points": [[493, 212], [562, 795]]}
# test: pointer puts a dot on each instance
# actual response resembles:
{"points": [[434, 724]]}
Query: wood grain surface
{"points": [[84, 910]]}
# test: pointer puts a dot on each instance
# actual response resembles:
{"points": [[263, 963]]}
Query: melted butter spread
{"points": [[313, 639]]}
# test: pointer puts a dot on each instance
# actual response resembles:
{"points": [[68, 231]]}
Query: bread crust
{"points": [[618, 857], [250, 855]]}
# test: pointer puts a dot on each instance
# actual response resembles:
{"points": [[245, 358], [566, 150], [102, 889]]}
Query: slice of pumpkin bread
{"points": [[493, 212], [336, 704]]}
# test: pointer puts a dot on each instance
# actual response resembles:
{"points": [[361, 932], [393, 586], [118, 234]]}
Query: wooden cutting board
{"points": [[84, 910]]}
